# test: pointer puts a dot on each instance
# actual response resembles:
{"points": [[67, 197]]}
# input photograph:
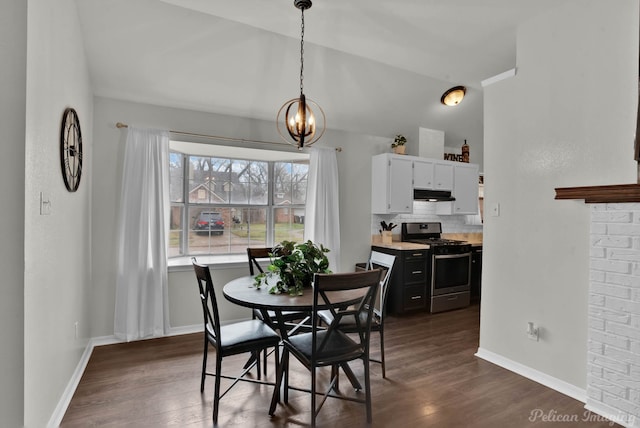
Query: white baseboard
{"points": [[533, 374], [187, 329], [67, 395]]}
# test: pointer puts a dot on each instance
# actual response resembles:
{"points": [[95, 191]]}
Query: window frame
{"points": [[187, 206]]}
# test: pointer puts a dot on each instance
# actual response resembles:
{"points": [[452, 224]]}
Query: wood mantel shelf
{"points": [[601, 194]]}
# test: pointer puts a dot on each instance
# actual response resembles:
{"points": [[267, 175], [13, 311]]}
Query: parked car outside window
{"points": [[210, 221]]}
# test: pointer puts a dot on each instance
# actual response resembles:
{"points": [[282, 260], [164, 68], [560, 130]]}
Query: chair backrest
{"points": [[208, 300], [385, 261], [360, 313], [254, 255]]}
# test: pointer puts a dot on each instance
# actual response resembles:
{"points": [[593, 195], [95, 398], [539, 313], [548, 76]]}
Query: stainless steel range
{"points": [[450, 282]]}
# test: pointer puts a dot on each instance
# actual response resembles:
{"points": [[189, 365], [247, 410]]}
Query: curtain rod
{"points": [[216, 137]]}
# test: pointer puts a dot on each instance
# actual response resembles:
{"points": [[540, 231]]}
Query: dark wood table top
{"points": [[241, 291]]}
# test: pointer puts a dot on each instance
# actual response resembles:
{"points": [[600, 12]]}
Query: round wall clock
{"points": [[71, 149]]}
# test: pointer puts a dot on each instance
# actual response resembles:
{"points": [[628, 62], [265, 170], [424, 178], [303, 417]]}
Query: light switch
{"points": [[495, 210], [45, 204]]}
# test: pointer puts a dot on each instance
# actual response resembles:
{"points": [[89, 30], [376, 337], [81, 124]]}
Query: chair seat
{"points": [[287, 315], [339, 347], [348, 323], [290, 315], [245, 336]]}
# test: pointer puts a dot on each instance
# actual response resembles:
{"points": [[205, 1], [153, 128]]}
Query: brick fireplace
{"points": [[613, 354], [613, 359]]}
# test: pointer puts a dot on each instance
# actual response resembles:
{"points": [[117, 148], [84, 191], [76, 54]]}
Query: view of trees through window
{"points": [[222, 205]]}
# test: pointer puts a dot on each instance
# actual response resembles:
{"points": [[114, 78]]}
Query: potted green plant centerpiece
{"points": [[292, 267], [398, 144]]}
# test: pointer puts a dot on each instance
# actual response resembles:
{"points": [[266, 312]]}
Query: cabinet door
{"points": [[422, 174], [400, 185], [465, 189], [443, 176]]}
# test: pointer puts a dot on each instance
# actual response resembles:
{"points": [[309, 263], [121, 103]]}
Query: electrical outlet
{"points": [[533, 331], [76, 329]]}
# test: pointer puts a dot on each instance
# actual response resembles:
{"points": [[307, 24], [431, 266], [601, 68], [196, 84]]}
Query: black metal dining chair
{"points": [[330, 346], [251, 336], [385, 262], [292, 319]]}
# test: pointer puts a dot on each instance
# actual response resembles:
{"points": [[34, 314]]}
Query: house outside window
{"points": [[225, 199]]}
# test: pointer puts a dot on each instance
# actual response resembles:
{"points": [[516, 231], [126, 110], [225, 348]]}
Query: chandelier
{"points": [[297, 115]]}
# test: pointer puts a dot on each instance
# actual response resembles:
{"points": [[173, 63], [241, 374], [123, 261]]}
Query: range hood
{"points": [[432, 195]]}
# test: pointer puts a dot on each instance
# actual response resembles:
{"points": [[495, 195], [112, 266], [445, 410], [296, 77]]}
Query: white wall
{"points": [[354, 167], [57, 246], [13, 57], [554, 124]]}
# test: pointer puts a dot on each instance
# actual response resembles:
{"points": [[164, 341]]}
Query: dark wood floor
{"points": [[433, 379]]}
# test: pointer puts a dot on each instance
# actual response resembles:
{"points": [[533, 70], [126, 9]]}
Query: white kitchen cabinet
{"points": [[422, 174], [432, 174], [391, 184], [465, 190], [443, 173]]}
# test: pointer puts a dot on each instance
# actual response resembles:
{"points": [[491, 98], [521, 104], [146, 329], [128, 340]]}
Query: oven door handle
{"points": [[451, 256]]}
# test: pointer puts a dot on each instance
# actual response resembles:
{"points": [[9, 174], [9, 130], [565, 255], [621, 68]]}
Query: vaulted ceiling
{"points": [[373, 65]]}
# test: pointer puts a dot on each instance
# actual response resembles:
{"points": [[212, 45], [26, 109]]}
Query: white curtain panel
{"points": [[141, 289], [322, 211]]}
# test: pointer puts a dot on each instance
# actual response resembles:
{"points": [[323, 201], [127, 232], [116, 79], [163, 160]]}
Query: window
{"points": [[225, 199]]}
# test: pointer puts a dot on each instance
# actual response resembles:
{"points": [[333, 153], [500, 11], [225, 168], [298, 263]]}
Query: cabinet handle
{"points": [[416, 297], [416, 254], [416, 272]]}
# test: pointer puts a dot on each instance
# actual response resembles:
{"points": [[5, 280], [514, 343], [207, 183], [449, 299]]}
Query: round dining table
{"points": [[243, 292]]}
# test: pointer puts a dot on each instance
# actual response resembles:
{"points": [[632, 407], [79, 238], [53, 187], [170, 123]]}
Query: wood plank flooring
{"points": [[433, 379]]}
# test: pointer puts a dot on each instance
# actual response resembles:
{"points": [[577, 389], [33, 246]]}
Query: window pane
{"points": [[199, 179], [289, 224], [176, 177], [175, 231], [249, 228], [221, 183], [299, 177], [207, 230], [282, 183], [259, 178], [259, 194], [240, 181], [209, 180]]}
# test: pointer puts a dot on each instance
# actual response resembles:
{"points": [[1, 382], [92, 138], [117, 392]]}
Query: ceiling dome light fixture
{"points": [[453, 96], [301, 125]]}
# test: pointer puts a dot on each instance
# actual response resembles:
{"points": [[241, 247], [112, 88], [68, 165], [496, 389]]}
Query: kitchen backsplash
{"points": [[425, 212]]}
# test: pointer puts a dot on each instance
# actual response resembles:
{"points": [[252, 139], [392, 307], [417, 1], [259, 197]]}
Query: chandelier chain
{"points": [[302, 52]]}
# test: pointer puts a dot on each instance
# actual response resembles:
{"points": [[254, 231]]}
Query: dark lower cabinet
{"points": [[408, 285], [476, 273]]}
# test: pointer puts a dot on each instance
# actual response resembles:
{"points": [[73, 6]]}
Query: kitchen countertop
{"points": [[475, 239], [397, 245]]}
